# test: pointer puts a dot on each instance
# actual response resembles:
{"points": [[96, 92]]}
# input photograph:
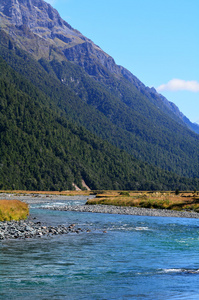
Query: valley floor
{"points": [[47, 197]]}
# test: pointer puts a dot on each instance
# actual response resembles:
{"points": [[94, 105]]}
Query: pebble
{"points": [[29, 229], [25, 229], [126, 210]]}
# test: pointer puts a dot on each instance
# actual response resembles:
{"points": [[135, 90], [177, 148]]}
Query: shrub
{"points": [[124, 193], [177, 191]]}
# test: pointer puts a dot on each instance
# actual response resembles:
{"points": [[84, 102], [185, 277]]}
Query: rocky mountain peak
{"points": [[38, 28], [34, 13], [11, 9], [46, 24]]}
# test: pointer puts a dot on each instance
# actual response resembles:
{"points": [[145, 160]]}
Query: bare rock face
{"points": [[23, 17], [38, 28], [37, 15], [33, 13], [11, 10], [91, 58]]}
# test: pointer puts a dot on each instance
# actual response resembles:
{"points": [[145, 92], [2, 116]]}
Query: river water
{"points": [[122, 257]]}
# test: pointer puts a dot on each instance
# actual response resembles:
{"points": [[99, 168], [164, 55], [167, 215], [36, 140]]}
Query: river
{"points": [[122, 257]]}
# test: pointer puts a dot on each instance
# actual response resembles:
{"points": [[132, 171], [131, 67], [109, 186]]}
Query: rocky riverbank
{"points": [[110, 209], [30, 229], [43, 198]]}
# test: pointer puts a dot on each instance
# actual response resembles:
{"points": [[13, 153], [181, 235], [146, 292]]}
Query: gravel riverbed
{"points": [[32, 228], [108, 209], [26, 229]]}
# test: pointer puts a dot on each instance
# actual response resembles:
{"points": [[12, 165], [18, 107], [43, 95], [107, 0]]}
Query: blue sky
{"points": [[158, 41]]}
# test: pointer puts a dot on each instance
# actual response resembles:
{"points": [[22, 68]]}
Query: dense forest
{"points": [[129, 122], [42, 150], [69, 115]]}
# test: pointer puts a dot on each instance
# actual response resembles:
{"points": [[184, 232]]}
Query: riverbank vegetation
{"points": [[13, 210], [173, 200], [159, 200]]}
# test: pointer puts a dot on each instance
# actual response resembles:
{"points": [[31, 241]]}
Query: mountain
{"points": [[196, 124], [87, 89], [38, 28], [42, 150], [174, 109]]}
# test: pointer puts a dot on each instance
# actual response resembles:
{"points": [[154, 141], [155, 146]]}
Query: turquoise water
{"points": [[137, 258]]}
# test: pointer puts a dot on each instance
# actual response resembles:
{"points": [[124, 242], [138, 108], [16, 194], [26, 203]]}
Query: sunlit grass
{"points": [[13, 210], [160, 200]]}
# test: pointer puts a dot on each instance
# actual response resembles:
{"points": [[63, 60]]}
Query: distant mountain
{"points": [[174, 109], [84, 86], [196, 123]]}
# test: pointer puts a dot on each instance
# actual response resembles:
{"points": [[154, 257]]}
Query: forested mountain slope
{"points": [[74, 91], [136, 126], [41, 150]]}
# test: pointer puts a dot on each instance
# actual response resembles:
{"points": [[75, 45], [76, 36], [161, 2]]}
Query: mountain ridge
{"points": [[55, 38], [51, 153]]}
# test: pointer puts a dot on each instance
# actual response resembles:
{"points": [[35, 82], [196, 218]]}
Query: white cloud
{"points": [[179, 85]]}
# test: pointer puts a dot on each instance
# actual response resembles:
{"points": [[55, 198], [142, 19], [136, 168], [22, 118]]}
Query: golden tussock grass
{"points": [[13, 210], [161, 200]]}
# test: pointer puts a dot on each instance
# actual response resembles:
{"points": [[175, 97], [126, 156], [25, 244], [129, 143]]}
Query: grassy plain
{"points": [[13, 210], [160, 200]]}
